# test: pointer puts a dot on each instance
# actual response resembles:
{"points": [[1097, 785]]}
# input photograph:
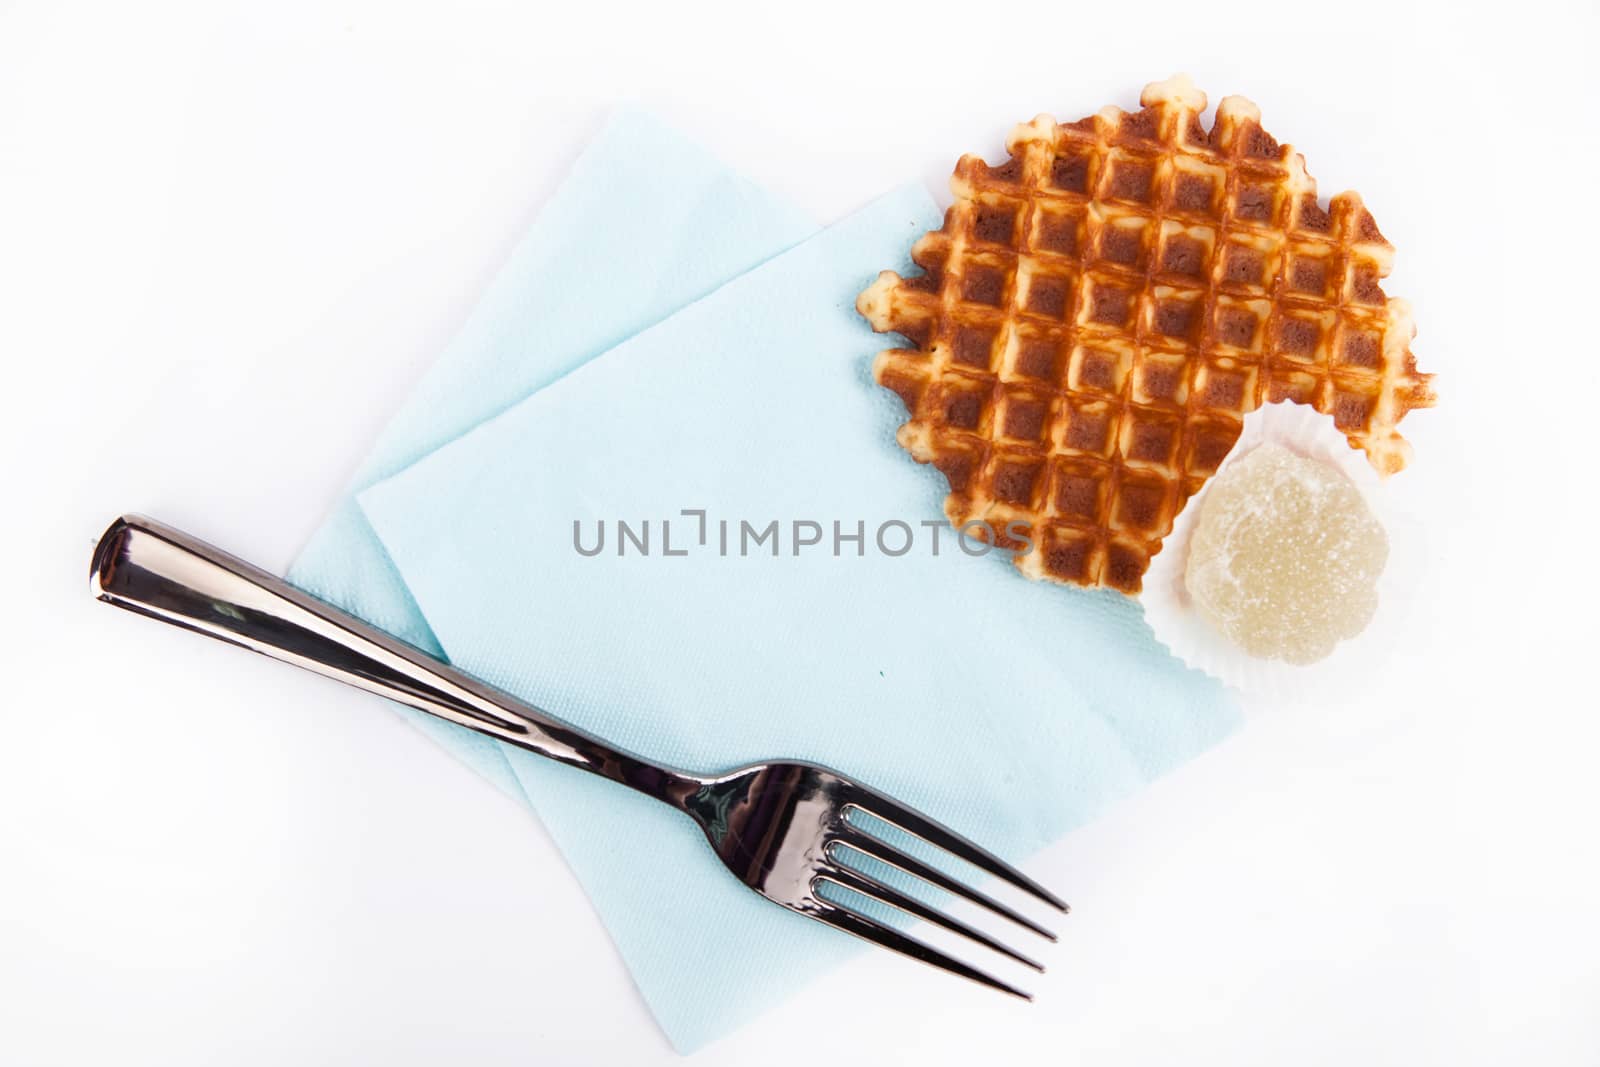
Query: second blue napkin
{"points": [[1013, 711]]}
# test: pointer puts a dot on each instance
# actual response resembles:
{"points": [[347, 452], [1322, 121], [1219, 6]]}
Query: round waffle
{"points": [[1099, 312]]}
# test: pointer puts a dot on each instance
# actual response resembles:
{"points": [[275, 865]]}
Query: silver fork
{"points": [[783, 828]]}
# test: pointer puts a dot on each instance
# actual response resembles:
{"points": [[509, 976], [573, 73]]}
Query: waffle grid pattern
{"points": [[1098, 314]]}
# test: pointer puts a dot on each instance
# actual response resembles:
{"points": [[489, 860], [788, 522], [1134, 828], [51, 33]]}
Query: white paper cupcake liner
{"points": [[1178, 624]]}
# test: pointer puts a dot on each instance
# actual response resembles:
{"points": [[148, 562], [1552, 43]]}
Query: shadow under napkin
{"points": [[1014, 711]]}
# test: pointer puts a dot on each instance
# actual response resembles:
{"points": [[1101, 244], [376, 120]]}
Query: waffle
{"points": [[1099, 312]]}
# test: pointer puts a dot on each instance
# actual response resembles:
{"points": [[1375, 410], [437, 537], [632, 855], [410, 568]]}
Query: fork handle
{"points": [[152, 569]]}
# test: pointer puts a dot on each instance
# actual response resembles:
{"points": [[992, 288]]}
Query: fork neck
{"points": [[569, 745]]}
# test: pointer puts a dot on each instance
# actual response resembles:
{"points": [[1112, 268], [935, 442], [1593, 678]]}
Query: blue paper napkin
{"points": [[1012, 710], [645, 222]]}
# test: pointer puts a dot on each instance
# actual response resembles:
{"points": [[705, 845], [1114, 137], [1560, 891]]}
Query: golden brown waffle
{"points": [[1098, 314]]}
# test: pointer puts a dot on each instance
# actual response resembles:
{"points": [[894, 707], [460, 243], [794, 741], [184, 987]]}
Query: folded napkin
{"points": [[645, 222], [1011, 710]]}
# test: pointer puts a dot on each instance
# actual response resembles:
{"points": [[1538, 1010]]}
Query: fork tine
{"points": [[851, 922], [918, 825], [886, 853], [870, 887]]}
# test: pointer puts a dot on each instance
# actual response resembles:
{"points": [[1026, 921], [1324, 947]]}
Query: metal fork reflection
{"points": [[787, 829]]}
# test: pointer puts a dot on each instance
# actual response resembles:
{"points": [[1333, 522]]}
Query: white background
{"points": [[231, 236]]}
